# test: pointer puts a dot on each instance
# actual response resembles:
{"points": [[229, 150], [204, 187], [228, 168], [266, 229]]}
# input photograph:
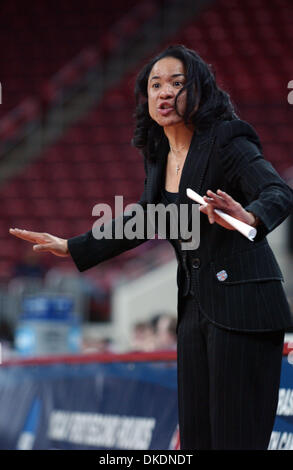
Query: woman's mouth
{"points": [[165, 109]]}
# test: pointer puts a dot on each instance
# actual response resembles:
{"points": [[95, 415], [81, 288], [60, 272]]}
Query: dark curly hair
{"points": [[202, 91]]}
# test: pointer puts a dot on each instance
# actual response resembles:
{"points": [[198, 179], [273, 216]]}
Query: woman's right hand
{"points": [[43, 241]]}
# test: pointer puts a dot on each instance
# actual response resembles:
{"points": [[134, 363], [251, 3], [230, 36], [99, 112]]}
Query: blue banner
{"points": [[88, 406], [113, 405]]}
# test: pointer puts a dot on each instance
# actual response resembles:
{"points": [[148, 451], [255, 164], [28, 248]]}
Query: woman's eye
{"points": [[156, 85], [177, 84]]}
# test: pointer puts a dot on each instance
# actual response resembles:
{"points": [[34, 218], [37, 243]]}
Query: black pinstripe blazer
{"points": [[227, 156]]}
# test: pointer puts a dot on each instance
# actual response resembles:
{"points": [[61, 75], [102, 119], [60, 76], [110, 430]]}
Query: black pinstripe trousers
{"points": [[228, 383]]}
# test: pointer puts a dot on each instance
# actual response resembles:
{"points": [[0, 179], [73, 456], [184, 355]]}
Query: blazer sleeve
{"points": [[88, 251], [268, 196]]}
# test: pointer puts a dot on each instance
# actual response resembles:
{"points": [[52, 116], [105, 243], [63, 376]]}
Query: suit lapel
{"points": [[193, 170], [196, 164]]}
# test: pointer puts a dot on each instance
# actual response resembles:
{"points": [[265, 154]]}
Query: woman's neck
{"points": [[179, 138]]}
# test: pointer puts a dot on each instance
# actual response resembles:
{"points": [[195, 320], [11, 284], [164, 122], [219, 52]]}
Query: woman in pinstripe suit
{"points": [[232, 310]]}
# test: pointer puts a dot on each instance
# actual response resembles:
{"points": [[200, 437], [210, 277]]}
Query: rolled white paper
{"points": [[246, 230]]}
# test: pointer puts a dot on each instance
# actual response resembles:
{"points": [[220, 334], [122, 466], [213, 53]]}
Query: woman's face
{"points": [[166, 78]]}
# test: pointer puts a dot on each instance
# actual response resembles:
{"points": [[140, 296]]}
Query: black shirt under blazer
{"points": [[227, 156]]}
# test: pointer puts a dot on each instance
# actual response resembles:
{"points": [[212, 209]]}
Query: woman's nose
{"points": [[166, 91]]}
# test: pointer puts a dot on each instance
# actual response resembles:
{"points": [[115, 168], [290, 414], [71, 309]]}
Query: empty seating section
{"points": [[92, 163], [248, 45], [40, 38], [50, 52]]}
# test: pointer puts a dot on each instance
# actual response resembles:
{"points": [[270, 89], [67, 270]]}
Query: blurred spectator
{"points": [[165, 332], [143, 337], [157, 334], [98, 345]]}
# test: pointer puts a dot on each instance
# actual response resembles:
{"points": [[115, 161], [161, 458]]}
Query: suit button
{"points": [[196, 263]]}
